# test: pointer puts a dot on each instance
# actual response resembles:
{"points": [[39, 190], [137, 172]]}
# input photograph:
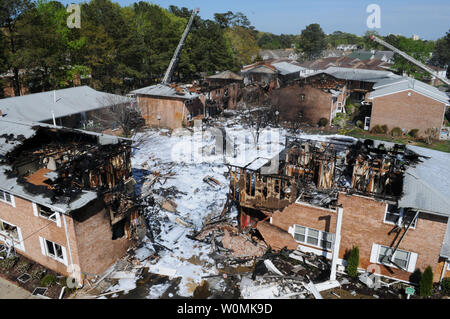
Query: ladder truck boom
{"points": [[173, 62], [410, 59]]}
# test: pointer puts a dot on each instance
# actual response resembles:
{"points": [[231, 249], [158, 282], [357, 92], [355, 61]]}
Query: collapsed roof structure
{"points": [[64, 169], [315, 171]]}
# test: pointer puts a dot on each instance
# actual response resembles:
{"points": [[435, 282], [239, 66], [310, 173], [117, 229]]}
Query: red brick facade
{"points": [[88, 244], [363, 225], [408, 110], [173, 112]]}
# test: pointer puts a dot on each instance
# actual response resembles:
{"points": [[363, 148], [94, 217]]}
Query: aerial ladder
{"points": [[411, 59], [173, 62]]}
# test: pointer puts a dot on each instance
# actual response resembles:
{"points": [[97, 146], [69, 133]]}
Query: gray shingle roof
{"points": [[39, 106], [358, 74], [391, 86], [426, 186], [166, 91], [287, 68], [226, 75]]}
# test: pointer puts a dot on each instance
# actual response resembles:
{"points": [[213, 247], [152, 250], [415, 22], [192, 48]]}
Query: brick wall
{"points": [[409, 112], [90, 241], [34, 226], [96, 249], [363, 224], [366, 216], [170, 111], [316, 104]]}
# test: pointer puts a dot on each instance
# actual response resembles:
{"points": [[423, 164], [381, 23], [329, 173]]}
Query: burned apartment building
{"points": [[323, 94], [170, 106], [222, 92], [66, 196], [326, 197]]}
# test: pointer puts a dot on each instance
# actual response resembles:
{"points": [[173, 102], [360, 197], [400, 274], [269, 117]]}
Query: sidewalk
{"points": [[10, 291]]}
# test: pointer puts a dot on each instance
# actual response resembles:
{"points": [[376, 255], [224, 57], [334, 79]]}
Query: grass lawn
{"points": [[443, 146]]}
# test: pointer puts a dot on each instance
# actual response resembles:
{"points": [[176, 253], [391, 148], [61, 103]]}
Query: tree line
{"points": [[118, 49]]}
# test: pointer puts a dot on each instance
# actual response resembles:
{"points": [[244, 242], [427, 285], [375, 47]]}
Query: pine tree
{"points": [[426, 283], [353, 262]]}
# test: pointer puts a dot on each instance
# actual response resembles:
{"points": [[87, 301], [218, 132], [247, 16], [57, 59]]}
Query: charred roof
{"points": [[60, 168]]}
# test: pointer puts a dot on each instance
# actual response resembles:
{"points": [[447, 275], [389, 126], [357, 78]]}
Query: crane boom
{"points": [[410, 59], [173, 62]]}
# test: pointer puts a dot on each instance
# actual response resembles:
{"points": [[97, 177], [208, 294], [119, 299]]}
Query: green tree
{"points": [[312, 41], [45, 57], [426, 283], [11, 12], [441, 53], [419, 49], [338, 37], [243, 44], [353, 262]]}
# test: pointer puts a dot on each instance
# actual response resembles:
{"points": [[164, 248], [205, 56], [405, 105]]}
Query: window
{"points": [[53, 250], [326, 240], [299, 233], [399, 216], [47, 213], [392, 214], [400, 259], [6, 197], [10, 232], [313, 237]]}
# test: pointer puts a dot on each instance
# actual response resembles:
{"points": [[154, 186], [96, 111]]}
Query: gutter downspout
{"points": [[337, 243], [68, 241], [444, 269]]}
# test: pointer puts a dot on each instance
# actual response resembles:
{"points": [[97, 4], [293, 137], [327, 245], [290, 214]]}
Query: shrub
{"points": [[384, 129], [376, 129], [445, 285], [323, 122], [414, 133], [23, 267], [340, 119], [37, 273], [48, 280], [8, 263], [359, 124], [349, 108], [426, 283], [396, 131], [353, 262]]}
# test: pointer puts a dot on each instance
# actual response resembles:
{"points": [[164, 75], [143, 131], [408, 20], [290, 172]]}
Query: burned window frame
{"points": [[51, 213], [18, 241], [402, 214]]}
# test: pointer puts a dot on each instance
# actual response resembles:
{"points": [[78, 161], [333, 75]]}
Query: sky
{"points": [[428, 19]]}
